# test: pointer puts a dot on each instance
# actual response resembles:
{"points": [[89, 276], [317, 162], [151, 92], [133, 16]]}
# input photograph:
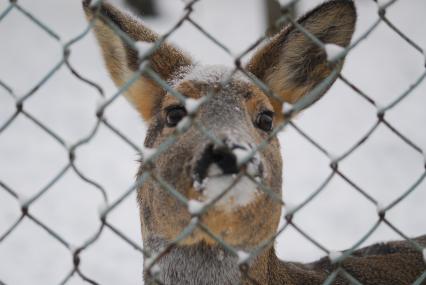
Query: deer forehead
{"points": [[198, 81], [209, 74]]}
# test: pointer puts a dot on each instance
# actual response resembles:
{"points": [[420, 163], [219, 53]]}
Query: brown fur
{"points": [[122, 60], [228, 226], [291, 65], [393, 263]]}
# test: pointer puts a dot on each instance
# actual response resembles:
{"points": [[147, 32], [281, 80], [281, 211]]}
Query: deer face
{"points": [[237, 117], [212, 149]]}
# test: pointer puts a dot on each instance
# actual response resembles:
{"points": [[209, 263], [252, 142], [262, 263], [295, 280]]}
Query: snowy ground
{"points": [[383, 66]]}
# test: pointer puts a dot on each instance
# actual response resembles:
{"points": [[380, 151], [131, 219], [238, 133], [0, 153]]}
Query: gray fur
{"points": [[195, 265]]}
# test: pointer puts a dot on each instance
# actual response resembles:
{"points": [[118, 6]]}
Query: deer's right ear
{"points": [[122, 60]]}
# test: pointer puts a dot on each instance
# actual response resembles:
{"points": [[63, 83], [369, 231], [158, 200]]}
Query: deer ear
{"points": [[291, 64], [122, 59]]}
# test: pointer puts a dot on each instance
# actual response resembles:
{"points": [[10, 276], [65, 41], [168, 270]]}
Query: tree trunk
{"points": [[273, 14], [143, 7]]}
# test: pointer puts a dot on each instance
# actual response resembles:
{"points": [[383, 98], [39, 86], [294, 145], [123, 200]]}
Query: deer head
{"points": [[209, 145]]}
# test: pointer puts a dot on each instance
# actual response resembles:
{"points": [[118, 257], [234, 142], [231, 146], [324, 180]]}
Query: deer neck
{"points": [[203, 264]]}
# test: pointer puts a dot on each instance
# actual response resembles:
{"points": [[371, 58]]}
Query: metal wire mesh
{"points": [[149, 155]]}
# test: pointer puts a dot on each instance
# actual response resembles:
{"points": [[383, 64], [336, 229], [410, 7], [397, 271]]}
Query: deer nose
{"points": [[224, 158], [215, 158]]}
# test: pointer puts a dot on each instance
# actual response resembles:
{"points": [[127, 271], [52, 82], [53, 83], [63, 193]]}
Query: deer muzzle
{"points": [[228, 174]]}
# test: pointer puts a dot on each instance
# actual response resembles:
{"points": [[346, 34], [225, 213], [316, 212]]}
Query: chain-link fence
{"points": [[197, 208]]}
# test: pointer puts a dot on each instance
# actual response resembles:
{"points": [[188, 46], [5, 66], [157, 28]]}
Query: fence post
{"points": [[273, 13]]}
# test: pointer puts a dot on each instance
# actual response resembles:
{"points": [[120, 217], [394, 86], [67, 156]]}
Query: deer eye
{"points": [[174, 114], [264, 121]]}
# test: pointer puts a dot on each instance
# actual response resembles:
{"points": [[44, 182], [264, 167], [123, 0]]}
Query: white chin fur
{"points": [[242, 194]]}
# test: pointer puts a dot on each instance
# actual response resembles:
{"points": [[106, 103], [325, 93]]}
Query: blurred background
{"points": [[383, 66]]}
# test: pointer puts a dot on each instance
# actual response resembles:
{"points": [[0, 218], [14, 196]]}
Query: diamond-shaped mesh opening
{"points": [[15, 52]]}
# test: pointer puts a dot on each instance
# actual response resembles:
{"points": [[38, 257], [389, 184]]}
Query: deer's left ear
{"points": [[291, 64]]}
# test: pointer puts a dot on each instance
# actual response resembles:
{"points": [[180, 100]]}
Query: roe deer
{"points": [[240, 116]]}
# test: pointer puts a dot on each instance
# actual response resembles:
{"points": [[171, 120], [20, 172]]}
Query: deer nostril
{"points": [[225, 159]]}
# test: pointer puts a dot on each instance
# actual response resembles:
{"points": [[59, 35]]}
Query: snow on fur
{"points": [[195, 207], [289, 208], [334, 256], [147, 153], [143, 48], [242, 256], [184, 124], [155, 269], [286, 107], [241, 194], [333, 52], [209, 74], [241, 155], [192, 105]]}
